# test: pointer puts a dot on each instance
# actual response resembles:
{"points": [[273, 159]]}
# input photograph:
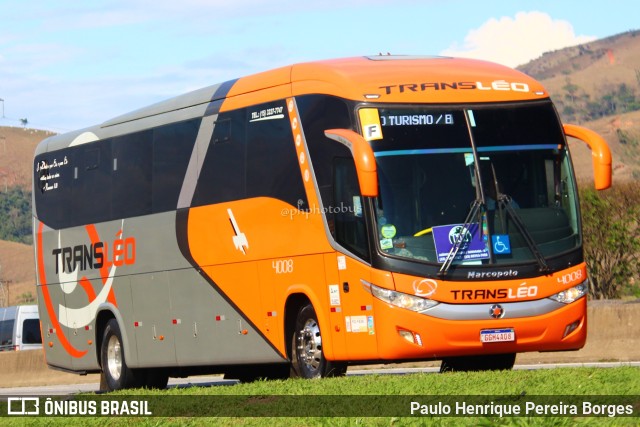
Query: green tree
{"points": [[571, 90], [612, 239], [15, 215]]}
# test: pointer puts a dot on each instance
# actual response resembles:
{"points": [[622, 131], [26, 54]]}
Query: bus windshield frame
{"points": [[430, 208]]}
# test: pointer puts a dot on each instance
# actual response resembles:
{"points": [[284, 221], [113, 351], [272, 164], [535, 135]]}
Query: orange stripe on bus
{"points": [[47, 299]]}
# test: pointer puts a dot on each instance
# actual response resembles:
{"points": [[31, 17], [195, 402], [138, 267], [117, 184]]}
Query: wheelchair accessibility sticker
{"points": [[501, 244]]}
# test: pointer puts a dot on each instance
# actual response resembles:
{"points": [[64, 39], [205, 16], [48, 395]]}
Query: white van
{"points": [[20, 328]]}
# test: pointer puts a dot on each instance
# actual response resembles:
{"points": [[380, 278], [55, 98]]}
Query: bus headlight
{"points": [[570, 295], [399, 299]]}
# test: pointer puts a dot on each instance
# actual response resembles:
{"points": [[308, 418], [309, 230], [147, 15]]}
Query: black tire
{"points": [[116, 375], [307, 357], [156, 378], [251, 373], [491, 362]]}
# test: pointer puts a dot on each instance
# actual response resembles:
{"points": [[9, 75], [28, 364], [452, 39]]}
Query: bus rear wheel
{"points": [[116, 375], [490, 362], [307, 357]]}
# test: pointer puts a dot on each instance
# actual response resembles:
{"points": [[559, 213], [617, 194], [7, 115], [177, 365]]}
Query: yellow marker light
{"points": [[409, 336]]}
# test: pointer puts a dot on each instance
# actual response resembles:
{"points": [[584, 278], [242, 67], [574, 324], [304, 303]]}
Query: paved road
{"points": [[213, 381]]}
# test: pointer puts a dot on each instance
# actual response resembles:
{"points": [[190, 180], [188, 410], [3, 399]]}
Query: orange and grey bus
{"points": [[293, 222]]}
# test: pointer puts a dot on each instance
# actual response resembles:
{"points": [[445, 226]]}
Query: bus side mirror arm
{"points": [[600, 153], [363, 157]]}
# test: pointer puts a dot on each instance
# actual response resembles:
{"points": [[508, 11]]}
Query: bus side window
{"points": [[131, 175], [172, 147], [53, 193], [272, 167], [350, 226], [222, 176], [91, 192]]}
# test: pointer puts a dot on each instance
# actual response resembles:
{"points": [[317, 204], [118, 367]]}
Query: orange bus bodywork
{"points": [[262, 258]]}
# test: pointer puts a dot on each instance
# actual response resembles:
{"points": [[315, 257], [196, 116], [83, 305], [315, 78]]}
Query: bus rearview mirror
{"points": [[600, 153], [362, 156]]}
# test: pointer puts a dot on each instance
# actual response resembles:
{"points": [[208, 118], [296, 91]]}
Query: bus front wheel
{"points": [[308, 360]]}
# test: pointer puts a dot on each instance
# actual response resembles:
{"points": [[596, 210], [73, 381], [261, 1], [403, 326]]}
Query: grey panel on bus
{"points": [[169, 316], [211, 330], [174, 110], [512, 310], [195, 162], [56, 355], [197, 97], [152, 328]]}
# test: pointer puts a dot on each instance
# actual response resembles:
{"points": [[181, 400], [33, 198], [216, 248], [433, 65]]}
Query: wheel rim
{"points": [[310, 346], [114, 357]]}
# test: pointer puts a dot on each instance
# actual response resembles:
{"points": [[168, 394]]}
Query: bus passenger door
{"points": [[357, 308], [337, 330], [348, 226]]}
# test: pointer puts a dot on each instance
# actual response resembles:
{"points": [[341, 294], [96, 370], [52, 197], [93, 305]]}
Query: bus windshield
{"points": [[475, 185]]}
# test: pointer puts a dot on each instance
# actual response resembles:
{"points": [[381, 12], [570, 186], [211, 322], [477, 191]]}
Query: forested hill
{"points": [[597, 85]]}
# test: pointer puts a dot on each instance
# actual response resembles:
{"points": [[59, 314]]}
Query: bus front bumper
{"points": [[474, 329]]}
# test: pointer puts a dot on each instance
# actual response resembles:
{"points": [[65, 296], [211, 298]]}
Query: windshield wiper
{"points": [[504, 202], [476, 207], [479, 205]]}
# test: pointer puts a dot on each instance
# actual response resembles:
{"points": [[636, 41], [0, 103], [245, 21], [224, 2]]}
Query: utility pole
{"points": [[2, 100], [4, 294]]}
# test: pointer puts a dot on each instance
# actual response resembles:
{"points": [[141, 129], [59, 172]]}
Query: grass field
{"points": [[385, 400]]}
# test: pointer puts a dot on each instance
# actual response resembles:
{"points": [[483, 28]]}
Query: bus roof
{"points": [[380, 79]]}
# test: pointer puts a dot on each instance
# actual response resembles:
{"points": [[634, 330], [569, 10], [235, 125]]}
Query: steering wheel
{"points": [[423, 232]]}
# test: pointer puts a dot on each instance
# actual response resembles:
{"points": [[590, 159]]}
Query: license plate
{"points": [[497, 335]]}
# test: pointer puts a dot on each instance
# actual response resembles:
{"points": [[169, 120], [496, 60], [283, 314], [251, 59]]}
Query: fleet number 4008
{"points": [[282, 266], [568, 278]]}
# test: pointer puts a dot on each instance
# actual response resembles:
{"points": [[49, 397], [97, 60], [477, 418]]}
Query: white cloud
{"points": [[515, 41]]}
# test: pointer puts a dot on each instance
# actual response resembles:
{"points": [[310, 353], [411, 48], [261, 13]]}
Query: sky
{"points": [[69, 64]]}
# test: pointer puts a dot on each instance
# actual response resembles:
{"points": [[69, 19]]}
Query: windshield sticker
{"points": [[417, 119], [388, 231], [357, 206], [472, 247], [472, 119], [468, 159], [370, 120], [501, 244], [386, 244]]}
